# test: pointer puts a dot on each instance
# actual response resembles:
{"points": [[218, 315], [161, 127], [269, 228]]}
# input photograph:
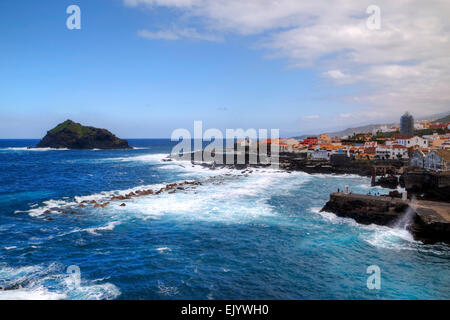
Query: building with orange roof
{"points": [[324, 139], [267, 143], [311, 141]]}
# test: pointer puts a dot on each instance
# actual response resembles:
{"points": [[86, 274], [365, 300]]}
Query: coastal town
{"points": [[412, 159], [424, 144]]}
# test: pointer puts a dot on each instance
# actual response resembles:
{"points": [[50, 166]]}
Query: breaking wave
{"points": [[49, 283], [147, 158], [225, 195], [397, 238]]}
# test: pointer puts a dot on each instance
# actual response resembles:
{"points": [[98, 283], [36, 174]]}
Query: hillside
{"points": [[347, 132], [445, 119]]}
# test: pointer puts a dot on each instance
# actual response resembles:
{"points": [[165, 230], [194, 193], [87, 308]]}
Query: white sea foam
{"points": [[101, 196], [34, 212], [334, 219], [50, 283], [163, 249], [225, 195], [38, 293], [229, 199], [166, 290], [93, 230], [398, 239], [147, 158], [19, 273], [108, 227], [388, 238], [175, 165], [382, 236]]}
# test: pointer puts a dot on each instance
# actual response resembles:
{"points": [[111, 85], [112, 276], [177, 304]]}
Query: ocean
{"points": [[257, 235]]}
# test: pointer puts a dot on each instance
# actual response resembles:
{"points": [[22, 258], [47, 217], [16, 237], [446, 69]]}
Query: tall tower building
{"points": [[407, 124]]}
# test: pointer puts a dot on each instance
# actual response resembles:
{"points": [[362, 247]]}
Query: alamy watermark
{"points": [[373, 22], [236, 146], [73, 280], [374, 280], [74, 20]]}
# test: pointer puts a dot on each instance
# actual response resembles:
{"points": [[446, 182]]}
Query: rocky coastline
{"points": [[428, 221], [288, 162], [384, 173]]}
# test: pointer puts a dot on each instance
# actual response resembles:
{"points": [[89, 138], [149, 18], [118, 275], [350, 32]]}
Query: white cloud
{"points": [[335, 74], [176, 34], [310, 117], [404, 65], [166, 35]]}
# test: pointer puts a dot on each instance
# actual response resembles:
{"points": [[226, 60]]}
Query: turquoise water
{"points": [[259, 236]]}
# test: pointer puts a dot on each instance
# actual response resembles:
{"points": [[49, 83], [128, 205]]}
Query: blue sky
{"points": [[108, 75]]}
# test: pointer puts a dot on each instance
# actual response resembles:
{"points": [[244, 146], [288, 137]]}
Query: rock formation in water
{"points": [[73, 135], [428, 221]]}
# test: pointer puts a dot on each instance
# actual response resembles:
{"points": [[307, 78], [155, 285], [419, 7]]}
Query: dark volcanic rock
{"points": [[424, 185], [390, 182], [339, 164], [428, 221], [430, 226], [73, 135], [366, 209]]}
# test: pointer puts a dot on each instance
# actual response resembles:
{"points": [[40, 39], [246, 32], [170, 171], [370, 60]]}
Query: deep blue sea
{"points": [[255, 236]]}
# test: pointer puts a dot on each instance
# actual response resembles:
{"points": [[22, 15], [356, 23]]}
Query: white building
{"points": [[402, 140], [395, 151], [383, 152], [384, 128], [318, 154], [416, 142], [399, 152]]}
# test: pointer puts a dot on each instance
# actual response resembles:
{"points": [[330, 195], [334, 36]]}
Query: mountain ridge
{"points": [[440, 117]]}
